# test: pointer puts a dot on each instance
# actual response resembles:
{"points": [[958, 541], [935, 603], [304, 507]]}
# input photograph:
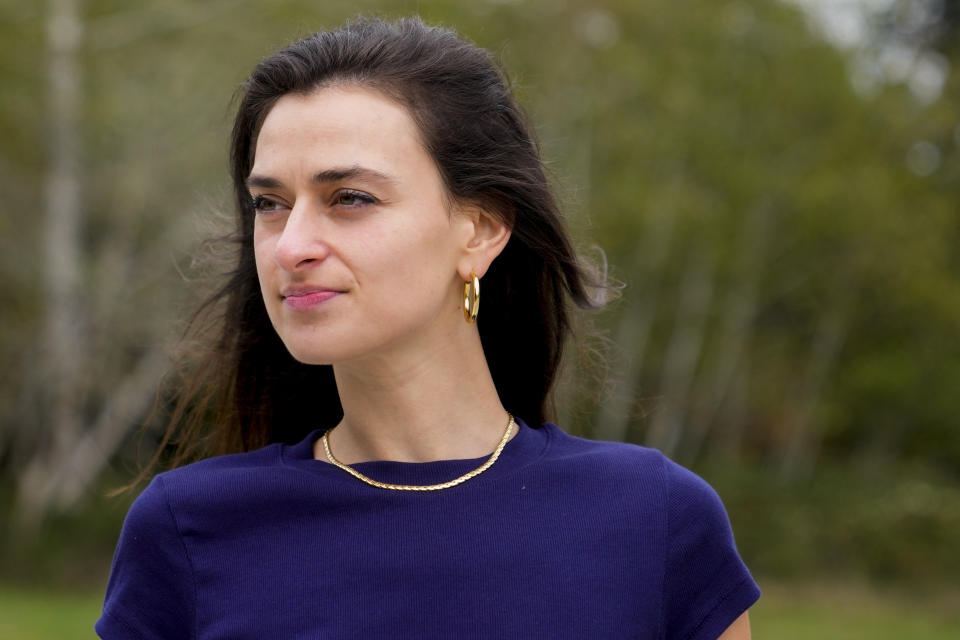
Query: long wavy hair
{"points": [[240, 387]]}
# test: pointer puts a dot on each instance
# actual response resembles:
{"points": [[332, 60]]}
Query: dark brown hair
{"points": [[241, 393]]}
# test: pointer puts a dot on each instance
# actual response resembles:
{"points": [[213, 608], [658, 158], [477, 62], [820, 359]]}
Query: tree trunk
{"points": [[684, 351], [62, 339], [738, 313], [633, 331], [802, 439]]}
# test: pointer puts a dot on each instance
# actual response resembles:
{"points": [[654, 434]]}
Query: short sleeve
{"points": [[151, 592], [706, 585]]}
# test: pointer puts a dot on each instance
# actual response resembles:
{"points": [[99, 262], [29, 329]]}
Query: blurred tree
{"points": [[789, 243], [74, 443], [62, 342], [924, 24]]}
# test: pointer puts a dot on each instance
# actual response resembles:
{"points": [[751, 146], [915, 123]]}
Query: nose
{"points": [[302, 242]]}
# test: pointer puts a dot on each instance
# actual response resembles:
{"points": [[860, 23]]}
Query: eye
{"points": [[351, 198], [262, 204]]}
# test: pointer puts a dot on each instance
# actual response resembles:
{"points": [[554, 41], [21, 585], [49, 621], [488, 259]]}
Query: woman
{"points": [[399, 479]]}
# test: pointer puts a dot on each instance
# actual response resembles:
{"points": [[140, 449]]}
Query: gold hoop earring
{"points": [[471, 290]]}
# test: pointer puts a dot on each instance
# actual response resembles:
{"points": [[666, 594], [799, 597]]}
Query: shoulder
{"points": [[677, 514], [612, 455], [619, 461], [213, 486], [150, 513], [224, 467], [685, 498], [267, 456]]}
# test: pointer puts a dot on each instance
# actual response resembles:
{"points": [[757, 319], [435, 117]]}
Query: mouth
{"points": [[307, 297]]}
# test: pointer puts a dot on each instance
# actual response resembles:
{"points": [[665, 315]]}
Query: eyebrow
{"points": [[334, 174]]}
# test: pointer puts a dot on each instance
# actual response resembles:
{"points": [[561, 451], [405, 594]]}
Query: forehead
{"points": [[342, 126]]}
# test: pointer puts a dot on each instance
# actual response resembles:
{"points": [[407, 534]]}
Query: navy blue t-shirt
{"points": [[561, 538]]}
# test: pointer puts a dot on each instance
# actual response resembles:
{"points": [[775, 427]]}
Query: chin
{"points": [[328, 351], [305, 355], [309, 347]]}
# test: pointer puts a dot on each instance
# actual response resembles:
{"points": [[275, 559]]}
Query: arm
{"points": [[150, 595], [707, 587], [739, 630]]}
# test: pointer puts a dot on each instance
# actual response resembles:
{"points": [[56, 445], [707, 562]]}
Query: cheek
{"points": [[260, 248], [262, 255], [416, 271], [417, 258]]}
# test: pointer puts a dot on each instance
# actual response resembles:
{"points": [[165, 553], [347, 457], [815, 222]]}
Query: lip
{"points": [[307, 297]]}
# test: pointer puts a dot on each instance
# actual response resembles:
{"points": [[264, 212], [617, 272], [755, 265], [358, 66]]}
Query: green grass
{"points": [[854, 612], [28, 614], [786, 612]]}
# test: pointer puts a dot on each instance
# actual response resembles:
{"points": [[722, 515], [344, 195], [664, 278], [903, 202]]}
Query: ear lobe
{"points": [[488, 235]]}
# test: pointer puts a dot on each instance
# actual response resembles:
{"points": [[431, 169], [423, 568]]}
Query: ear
{"points": [[484, 237]]}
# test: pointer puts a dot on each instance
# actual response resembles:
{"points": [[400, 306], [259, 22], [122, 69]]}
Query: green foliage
{"points": [[702, 144], [855, 520], [853, 612], [70, 550]]}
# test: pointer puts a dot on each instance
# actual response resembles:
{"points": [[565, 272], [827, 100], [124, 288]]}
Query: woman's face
{"points": [[357, 251]]}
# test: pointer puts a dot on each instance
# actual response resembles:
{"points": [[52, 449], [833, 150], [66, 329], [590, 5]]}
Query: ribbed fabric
{"points": [[561, 538]]}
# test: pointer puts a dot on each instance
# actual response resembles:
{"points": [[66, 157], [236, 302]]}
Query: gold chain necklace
{"points": [[426, 487]]}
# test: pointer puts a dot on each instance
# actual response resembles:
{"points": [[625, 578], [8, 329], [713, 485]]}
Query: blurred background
{"points": [[774, 181]]}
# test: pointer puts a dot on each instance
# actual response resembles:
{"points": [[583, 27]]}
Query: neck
{"points": [[421, 405]]}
